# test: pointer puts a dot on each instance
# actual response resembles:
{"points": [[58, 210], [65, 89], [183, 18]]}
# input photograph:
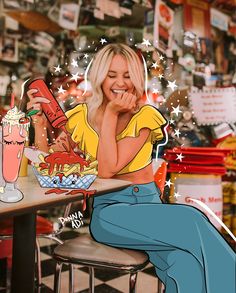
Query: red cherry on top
{"points": [[24, 120]]}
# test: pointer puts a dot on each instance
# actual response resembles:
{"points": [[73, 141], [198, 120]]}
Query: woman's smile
{"points": [[118, 79]]}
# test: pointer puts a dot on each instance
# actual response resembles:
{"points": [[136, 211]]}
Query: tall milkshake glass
{"points": [[15, 129]]}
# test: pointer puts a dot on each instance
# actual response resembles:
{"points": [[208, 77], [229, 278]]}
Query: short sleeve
{"points": [[74, 117], [147, 117]]}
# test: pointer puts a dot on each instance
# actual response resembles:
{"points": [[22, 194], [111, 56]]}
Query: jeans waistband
{"points": [[131, 194]]}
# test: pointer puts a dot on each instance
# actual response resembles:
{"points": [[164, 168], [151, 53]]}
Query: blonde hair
{"points": [[99, 71]]}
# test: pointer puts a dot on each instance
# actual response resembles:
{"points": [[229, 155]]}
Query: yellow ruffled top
{"points": [[87, 139]]}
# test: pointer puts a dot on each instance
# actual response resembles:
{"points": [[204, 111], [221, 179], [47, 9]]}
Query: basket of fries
{"points": [[70, 181], [65, 170]]}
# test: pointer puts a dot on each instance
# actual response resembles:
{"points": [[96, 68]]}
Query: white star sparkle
{"points": [[146, 42], [161, 57], [75, 77], [102, 41], [179, 157], [74, 63], [154, 65], [161, 76], [61, 90], [172, 121], [86, 55], [168, 183], [177, 132], [155, 91], [176, 195], [176, 110], [172, 85], [57, 68]]}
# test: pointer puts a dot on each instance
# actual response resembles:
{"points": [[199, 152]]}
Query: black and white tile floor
{"points": [[106, 281]]}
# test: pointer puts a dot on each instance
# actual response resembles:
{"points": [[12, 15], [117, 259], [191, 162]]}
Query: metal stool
{"points": [[83, 250]]}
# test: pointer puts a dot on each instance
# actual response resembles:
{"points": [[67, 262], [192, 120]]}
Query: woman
{"points": [[188, 253]]}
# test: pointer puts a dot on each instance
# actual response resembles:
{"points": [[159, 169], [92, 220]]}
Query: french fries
{"points": [[68, 169]]}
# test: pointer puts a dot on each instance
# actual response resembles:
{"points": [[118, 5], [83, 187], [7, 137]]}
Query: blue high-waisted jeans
{"points": [[189, 254]]}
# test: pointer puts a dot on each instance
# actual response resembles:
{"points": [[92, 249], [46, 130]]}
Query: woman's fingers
{"points": [[124, 102], [41, 100], [37, 101], [31, 92], [129, 100]]}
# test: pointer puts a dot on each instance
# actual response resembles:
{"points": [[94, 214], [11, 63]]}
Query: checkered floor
{"points": [[106, 281]]}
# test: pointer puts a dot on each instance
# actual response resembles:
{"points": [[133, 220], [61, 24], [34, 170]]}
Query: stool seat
{"points": [[85, 250]]}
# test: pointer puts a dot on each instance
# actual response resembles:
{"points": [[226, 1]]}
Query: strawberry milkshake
{"points": [[15, 127]]}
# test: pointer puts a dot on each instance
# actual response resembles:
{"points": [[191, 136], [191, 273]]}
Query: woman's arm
{"points": [[113, 156]]}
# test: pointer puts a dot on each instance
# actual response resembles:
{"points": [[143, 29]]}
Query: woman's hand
{"points": [[35, 104], [123, 103]]}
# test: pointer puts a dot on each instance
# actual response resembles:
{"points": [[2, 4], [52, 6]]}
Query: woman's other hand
{"points": [[123, 103], [34, 103]]}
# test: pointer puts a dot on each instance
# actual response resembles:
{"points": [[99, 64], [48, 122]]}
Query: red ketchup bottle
{"points": [[52, 110]]}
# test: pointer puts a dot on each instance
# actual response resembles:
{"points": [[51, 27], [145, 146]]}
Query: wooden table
{"points": [[24, 213]]}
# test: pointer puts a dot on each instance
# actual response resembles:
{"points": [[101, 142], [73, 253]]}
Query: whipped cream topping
{"points": [[13, 114], [12, 118]]}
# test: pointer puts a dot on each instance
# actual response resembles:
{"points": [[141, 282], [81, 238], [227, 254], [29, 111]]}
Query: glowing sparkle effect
{"points": [[57, 68], [154, 65], [61, 90], [177, 132], [176, 195], [75, 77], [146, 42], [168, 183], [103, 41], [155, 91], [179, 157], [172, 85], [74, 63], [176, 110]]}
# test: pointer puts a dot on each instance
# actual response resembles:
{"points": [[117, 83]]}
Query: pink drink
{"points": [[15, 133]]}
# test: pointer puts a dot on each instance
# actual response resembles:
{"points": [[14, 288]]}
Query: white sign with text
{"points": [[214, 106], [210, 194]]}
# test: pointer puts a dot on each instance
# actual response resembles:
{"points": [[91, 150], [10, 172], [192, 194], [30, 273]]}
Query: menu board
{"points": [[214, 106]]}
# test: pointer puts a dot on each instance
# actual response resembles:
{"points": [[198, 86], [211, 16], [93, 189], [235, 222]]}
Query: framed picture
{"points": [[10, 4], [163, 27], [69, 14], [8, 49], [14, 4]]}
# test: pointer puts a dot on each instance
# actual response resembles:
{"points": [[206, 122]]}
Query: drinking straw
{"points": [[12, 100], [22, 93]]}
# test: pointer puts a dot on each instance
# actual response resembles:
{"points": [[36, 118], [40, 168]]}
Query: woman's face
{"points": [[117, 79]]}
